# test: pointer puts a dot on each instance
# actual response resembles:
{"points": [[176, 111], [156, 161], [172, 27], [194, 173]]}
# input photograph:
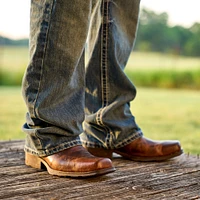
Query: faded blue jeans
{"points": [[69, 103]]}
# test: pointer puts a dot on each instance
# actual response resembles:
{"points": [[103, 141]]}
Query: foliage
{"points": [[156, 70], [155, 34], [13, 61], [192, 47], [166, 79], [9, 42]]}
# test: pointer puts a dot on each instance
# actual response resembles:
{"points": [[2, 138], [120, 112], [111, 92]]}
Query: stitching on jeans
{"points": [[104, 67], [104, 55], [136, 135], [46, 34], [53, 149]]}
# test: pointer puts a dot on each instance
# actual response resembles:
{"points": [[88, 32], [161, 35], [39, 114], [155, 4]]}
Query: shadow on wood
{"points": [[178, 178]]}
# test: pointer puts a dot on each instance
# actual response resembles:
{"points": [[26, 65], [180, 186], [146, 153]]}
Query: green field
{"points": [[16, 58], [162, 114], [140, 61], [170, 114], [12, 113], [13, 61], [144, 69]]}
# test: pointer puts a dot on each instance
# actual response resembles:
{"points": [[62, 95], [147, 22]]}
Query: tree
{"points": [[152, 31], [154, 34], [9, 42], [192, 46]]}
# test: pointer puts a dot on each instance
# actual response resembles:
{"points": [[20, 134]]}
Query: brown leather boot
{"points": [[73, 162], [143, 149]]}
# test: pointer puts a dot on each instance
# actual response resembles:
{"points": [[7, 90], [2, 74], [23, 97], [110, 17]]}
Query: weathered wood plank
{"points": [[175, 179]]}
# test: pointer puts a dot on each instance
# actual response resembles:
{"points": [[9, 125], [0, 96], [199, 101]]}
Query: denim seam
{"points": [[104, 68], [128, 140], [46, 33], [104, 55]]}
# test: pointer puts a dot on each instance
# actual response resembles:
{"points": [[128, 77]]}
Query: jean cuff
{"points": [[53, 150]]}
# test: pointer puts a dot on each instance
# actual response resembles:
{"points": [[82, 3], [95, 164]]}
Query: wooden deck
{"points": [[175, 179]]}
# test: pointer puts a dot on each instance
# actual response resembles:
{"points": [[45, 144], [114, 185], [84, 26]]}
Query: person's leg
{"points": [[109, 123], [53, 88]]}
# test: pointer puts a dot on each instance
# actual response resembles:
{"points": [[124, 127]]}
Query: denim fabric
{"points": [[59, 94]]}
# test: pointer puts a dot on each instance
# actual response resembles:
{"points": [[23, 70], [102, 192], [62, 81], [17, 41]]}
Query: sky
{"points": [[14, 14]]}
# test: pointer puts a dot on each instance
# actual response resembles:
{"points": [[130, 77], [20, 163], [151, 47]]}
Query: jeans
{"points": [[69, 103]]}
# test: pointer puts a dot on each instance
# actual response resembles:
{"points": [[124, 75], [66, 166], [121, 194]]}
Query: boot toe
{"points": [[104, 163], [171, 147]]}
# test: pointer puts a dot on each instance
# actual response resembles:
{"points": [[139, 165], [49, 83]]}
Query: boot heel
{"points": [[99, 152], [33, 161]]}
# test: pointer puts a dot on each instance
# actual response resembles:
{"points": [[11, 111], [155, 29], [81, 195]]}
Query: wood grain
{"points": [[174, 179]]}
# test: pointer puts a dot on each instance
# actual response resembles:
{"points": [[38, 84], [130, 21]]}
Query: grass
{"points": [[164, 70], [188, 79], [13, 61], [169, 114], [12, 113], [162, 114], [144, 69], [143, 61]]}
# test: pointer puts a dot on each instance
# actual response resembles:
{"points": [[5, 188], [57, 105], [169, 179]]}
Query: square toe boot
{"points": [[73, 162]]}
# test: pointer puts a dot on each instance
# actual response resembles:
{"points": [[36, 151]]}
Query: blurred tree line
{"points": [[9, 42], [155, 34]]}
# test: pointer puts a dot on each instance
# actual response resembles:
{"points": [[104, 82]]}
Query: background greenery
{"points": [[155, 34], [165, 67], [172, 61], [145, 69], [162, 114]]}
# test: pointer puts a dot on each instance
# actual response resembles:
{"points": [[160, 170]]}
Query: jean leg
{"points": [[109, 122], [54, 82]]}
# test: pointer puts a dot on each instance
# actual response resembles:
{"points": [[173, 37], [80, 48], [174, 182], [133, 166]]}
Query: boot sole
{"points": [[39, 163]]}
